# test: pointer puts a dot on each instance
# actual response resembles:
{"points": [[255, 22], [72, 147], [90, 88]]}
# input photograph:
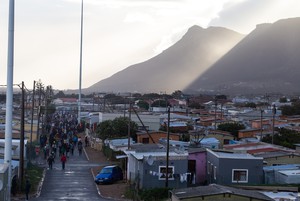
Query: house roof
{"points": [[262, 150], [282, 167], [192, 150], [233, 155], [69, 100], [156, 133], [155, 150], [290, 172], [215, 189], [276, 154]]}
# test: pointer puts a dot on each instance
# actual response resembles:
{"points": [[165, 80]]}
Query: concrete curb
{"points": [[39, 189]]}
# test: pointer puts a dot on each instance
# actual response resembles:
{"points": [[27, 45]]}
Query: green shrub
{"points": [[155, 194]]}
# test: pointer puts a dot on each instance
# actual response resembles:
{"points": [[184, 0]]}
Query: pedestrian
{"points": [[79, 148], [72, 148], [86, 140], [63, 160], [50, 161], [27, 188], [67, 149]]}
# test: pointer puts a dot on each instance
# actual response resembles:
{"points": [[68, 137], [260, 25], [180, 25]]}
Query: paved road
{"points": [[74, 183]]}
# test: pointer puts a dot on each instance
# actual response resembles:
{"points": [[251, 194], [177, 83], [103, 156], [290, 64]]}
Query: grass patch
{"points": [[35, 175]]}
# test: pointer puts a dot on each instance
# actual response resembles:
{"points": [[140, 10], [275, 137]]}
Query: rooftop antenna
{"points": [[150, 160]]}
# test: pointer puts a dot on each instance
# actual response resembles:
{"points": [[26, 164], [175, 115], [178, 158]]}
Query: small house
{"points": [[214, 192], [227, 168], [149, 167]]}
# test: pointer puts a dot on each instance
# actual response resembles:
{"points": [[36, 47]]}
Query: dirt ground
{"points": [[115, 190]]}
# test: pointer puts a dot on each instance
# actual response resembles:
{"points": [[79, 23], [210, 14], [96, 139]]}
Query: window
{"points": [[208, 168], [145, 140], [162, 172], [215, 172], [240, 176]]}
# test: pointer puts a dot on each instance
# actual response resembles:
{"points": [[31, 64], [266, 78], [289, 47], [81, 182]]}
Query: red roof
{"points": [[230, 146], [262, 150], [70, 100]]}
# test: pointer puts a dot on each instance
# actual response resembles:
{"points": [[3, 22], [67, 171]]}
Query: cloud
{"points": [[246, 14], [139, 17]]}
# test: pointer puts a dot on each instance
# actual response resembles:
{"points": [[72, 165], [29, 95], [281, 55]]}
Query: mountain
{"points": [[176, 67], [219, 61], [266, 61]]}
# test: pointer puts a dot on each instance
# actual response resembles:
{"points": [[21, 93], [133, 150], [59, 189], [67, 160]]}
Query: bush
{"points": [[155, 194], [35, 175]]}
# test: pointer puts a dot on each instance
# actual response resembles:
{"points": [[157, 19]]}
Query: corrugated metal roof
{"points": [[215, 189], [233, 155]]}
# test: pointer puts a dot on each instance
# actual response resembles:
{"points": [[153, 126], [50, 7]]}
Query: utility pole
{"points": [[129, 126], [39, 111], [21, 161], [261, 127], [32, 114], [273, 122], [168, 150], [216, 113]]}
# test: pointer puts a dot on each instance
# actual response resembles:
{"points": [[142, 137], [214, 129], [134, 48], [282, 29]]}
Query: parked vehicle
{"points": [[109, 174]]}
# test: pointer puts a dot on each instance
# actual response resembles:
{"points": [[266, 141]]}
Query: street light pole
{"points": [[80, 65], [9, 95]]}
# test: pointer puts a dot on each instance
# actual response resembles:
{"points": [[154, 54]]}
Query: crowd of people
{"points": [[61, 138]]}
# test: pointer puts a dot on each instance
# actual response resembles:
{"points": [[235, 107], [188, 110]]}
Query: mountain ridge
{"points": [[267, 57], [191, 55], [218, 60]]}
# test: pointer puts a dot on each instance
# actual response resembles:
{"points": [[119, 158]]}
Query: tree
{"points": [[160, 103], [117, 128], [177, 94], [233, 128], [196, 105], [143, 104], [151, 96], [60, 94], [221, 97], [284, 137], [105, 130], [294, 109], [283, 100], [251, 105], [114, 99]]}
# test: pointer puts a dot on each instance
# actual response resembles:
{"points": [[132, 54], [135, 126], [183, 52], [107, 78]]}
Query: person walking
{"points": [[27, 188], [50, 161], [72, 148], [63, 160], [80, 147]]}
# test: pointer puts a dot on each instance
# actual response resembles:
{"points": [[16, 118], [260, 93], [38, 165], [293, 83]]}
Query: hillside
{"points": [[266, 60], [219, 61], [177, 66]]}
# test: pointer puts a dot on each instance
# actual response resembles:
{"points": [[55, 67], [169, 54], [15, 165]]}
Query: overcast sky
{"points": [[117, 33]]}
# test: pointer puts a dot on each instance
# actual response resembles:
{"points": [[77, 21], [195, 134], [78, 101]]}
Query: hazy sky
{"points": [[117, 33]]}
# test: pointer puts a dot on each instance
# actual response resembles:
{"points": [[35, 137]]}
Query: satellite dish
{"points": [[150, 160], [181, 148]]}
